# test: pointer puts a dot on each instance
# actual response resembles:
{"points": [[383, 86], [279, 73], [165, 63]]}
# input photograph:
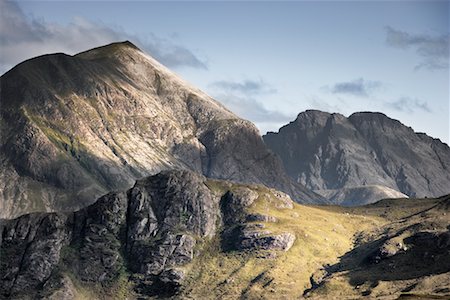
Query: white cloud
{"points": [[248, 87], [22, 38]]}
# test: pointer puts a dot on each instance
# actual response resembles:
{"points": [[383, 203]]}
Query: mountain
{"points": [[327, 151], [75, 127], [179, 235], [360, 195]]}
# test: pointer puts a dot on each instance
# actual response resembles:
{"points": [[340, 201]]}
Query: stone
{"points": [[150, 231], [234, 202], [260, 218], [265, 240]]}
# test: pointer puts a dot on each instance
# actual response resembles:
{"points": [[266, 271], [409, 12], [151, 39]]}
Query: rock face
{"points": [[329, 151], [150, 231], [75, 127], [241, 231]]}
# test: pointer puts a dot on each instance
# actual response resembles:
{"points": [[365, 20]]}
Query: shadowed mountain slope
{"points": [[74, 127]]}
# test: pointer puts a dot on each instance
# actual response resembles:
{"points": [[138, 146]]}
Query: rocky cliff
{"points": [[150, 233], [180, 235], [75, 127], [329, 151]]}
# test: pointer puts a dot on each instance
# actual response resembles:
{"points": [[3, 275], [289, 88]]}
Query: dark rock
{"points": [[99, 243], [260, 218], [264, 240], [30, 250], [152, 228], [233, 205], [330, 152], [58, 287], [172, 250], [150, 231]]}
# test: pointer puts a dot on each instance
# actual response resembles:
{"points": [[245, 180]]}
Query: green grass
{"points": [[321, 238]]}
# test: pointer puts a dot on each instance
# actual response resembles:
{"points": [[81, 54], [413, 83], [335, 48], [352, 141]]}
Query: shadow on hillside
{"points": [[426, 254]]}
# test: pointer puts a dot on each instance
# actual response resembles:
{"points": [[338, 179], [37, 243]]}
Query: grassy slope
{"points": [[416, 271], [326, 238], [321, 237]]}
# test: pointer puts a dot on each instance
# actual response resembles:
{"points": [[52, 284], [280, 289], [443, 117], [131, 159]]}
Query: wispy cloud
{"points": [[22, 38], [358, 87], [251, 109], [244, 98], [245, 87], [434, 50], [409, 105], [320, 104]]}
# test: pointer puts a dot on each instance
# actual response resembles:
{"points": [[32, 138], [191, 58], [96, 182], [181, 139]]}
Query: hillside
{"points": [[360, 195], [327, 151], [178, 234], [75, 127]]}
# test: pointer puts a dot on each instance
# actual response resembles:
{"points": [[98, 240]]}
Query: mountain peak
{"points": [[105, 117], [360, 118], [108, 50], [328, 151]]}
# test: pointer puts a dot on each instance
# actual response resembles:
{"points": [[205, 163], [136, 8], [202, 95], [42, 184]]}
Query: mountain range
{"points": [[179, 235], [119, 180], [326, 151]]}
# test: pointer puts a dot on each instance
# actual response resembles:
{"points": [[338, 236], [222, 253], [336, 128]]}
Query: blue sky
{"points": [[266, 61]]}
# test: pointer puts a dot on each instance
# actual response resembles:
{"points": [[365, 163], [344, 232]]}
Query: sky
{"points": [[266, 61]]}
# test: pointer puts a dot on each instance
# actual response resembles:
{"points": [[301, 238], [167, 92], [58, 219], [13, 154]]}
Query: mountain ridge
{"points": [[364, 149], [76, 127]]}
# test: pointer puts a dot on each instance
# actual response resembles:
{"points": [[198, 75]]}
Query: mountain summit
{"points": [[329, 151], [74, 127]]}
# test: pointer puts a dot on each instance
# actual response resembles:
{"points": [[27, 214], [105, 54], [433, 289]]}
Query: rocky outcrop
{"points": [[255, 239], [150, 232], [30, 251], [76, 127], [246, 231], [329, 152]]}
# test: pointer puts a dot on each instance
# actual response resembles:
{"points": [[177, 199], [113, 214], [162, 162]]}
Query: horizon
{"points": [[388, 63]]}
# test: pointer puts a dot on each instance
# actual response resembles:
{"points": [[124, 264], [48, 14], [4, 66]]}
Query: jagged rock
{"points": [[423, 244], [59, 288], [234, 203], [283, 200], [169, 200], [30, 250], [331, 152], [264, 240], [260, 218], [75, 127], [173, 250], [151, 230], [173, 276], [97, 238]]}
